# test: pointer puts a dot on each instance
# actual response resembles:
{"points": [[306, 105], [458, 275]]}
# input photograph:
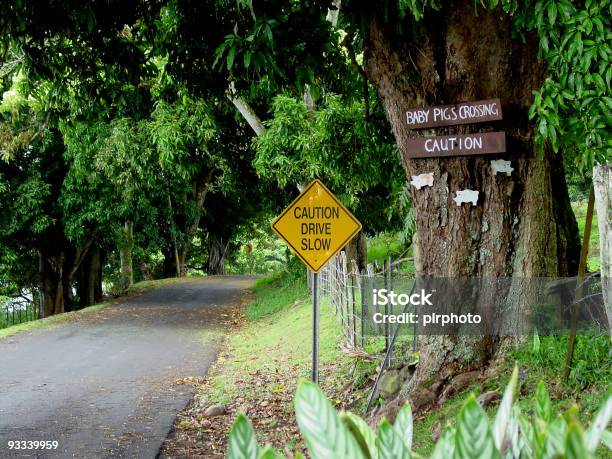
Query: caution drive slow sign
{"points": [[316, 226]]}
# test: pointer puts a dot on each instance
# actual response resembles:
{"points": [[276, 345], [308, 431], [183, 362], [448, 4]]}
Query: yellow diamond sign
{"points": [[316, 226]]}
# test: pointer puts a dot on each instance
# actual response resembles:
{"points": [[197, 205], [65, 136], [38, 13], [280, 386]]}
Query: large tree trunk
{"points": [[51, 269], [357, 250], [68, 277], [200, 190], [523, 225], [89, 278], [181, 256], [125, 255], [59, 262], [602, 181], [175, 257], [171, 262], [216, 255]]}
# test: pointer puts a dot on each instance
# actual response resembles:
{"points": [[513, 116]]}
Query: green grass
{"points": [[17, 317], [278, 335], [589, 383], [274, 293], [381, 247], [580, 210], [50, 321], [136, 289], [143, 286]]}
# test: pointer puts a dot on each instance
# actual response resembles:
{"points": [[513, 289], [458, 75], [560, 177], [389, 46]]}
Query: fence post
{"points": [[386, 285], [344, 300], [389, 344], [364, 307], [315, 327], [354, 313]]}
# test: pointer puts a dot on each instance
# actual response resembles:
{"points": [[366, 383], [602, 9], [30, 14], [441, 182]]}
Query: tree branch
{"points": [[366, 90], [245, 110]]}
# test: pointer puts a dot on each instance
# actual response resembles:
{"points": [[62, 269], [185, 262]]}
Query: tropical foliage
{"points": [[512, 433]]}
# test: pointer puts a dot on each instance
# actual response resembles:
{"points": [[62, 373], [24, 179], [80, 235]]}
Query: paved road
{"points": [[104, 386]]}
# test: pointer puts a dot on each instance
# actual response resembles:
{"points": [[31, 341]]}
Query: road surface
{"points": [[104, 385]]}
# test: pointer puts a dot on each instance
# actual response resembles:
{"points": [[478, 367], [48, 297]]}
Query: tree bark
{"points": [[181, 256], [246, 111], [216, 255], [357, 250], [602, 183], [199, 192], [523, 225], [89, 278], [51, 268], [125, 255], [170, 262]]}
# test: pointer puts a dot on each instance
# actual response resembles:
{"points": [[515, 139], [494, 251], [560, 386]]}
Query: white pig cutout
{"points": [[500, 165], [419, 181], [466, 196]]}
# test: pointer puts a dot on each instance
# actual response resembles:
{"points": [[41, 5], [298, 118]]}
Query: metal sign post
{"points": [[316, 226], [315, 327]]}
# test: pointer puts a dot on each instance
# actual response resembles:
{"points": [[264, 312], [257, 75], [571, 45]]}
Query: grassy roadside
{"points": [[589, 384], [134, 290], [257, 373], [270, 351]]}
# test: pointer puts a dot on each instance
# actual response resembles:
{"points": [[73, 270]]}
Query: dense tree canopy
{"points": [[120, 124], [119, 121]]}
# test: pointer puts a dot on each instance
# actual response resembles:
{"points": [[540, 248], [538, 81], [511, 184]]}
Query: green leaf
{"points": [[555, 438], [600, 424], [473, 437], [389, 443], [575, 447], [517, 446], [542, 403], [527, 437], [242, 441], [445, 447], [599, 82], [268, 32], [404, 424], [270, 453], [552, 135], [230, 57], [325, 434], [542, 127], [606, 439], [360, 429], [504, 411], [247, 59], [536, 343], [552, 12]]}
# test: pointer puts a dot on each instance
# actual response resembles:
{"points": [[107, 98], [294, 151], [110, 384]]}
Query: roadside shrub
{"points": [[511, 434]]}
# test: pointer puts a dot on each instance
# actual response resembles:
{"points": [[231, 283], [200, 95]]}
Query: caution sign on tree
{"points": [[316, 226]]}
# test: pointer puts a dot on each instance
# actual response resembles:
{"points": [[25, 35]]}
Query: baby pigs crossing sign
{"points": [[316, 226]]}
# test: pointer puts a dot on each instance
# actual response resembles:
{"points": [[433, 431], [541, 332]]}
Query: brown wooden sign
{"points": [[456, 145], [478, 111]]}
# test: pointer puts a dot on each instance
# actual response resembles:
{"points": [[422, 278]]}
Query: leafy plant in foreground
{"points": [[331, 435]]}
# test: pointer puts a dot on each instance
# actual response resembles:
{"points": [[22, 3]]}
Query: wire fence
{"points": [[549, 306], [348, 292], [14, 313]]}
